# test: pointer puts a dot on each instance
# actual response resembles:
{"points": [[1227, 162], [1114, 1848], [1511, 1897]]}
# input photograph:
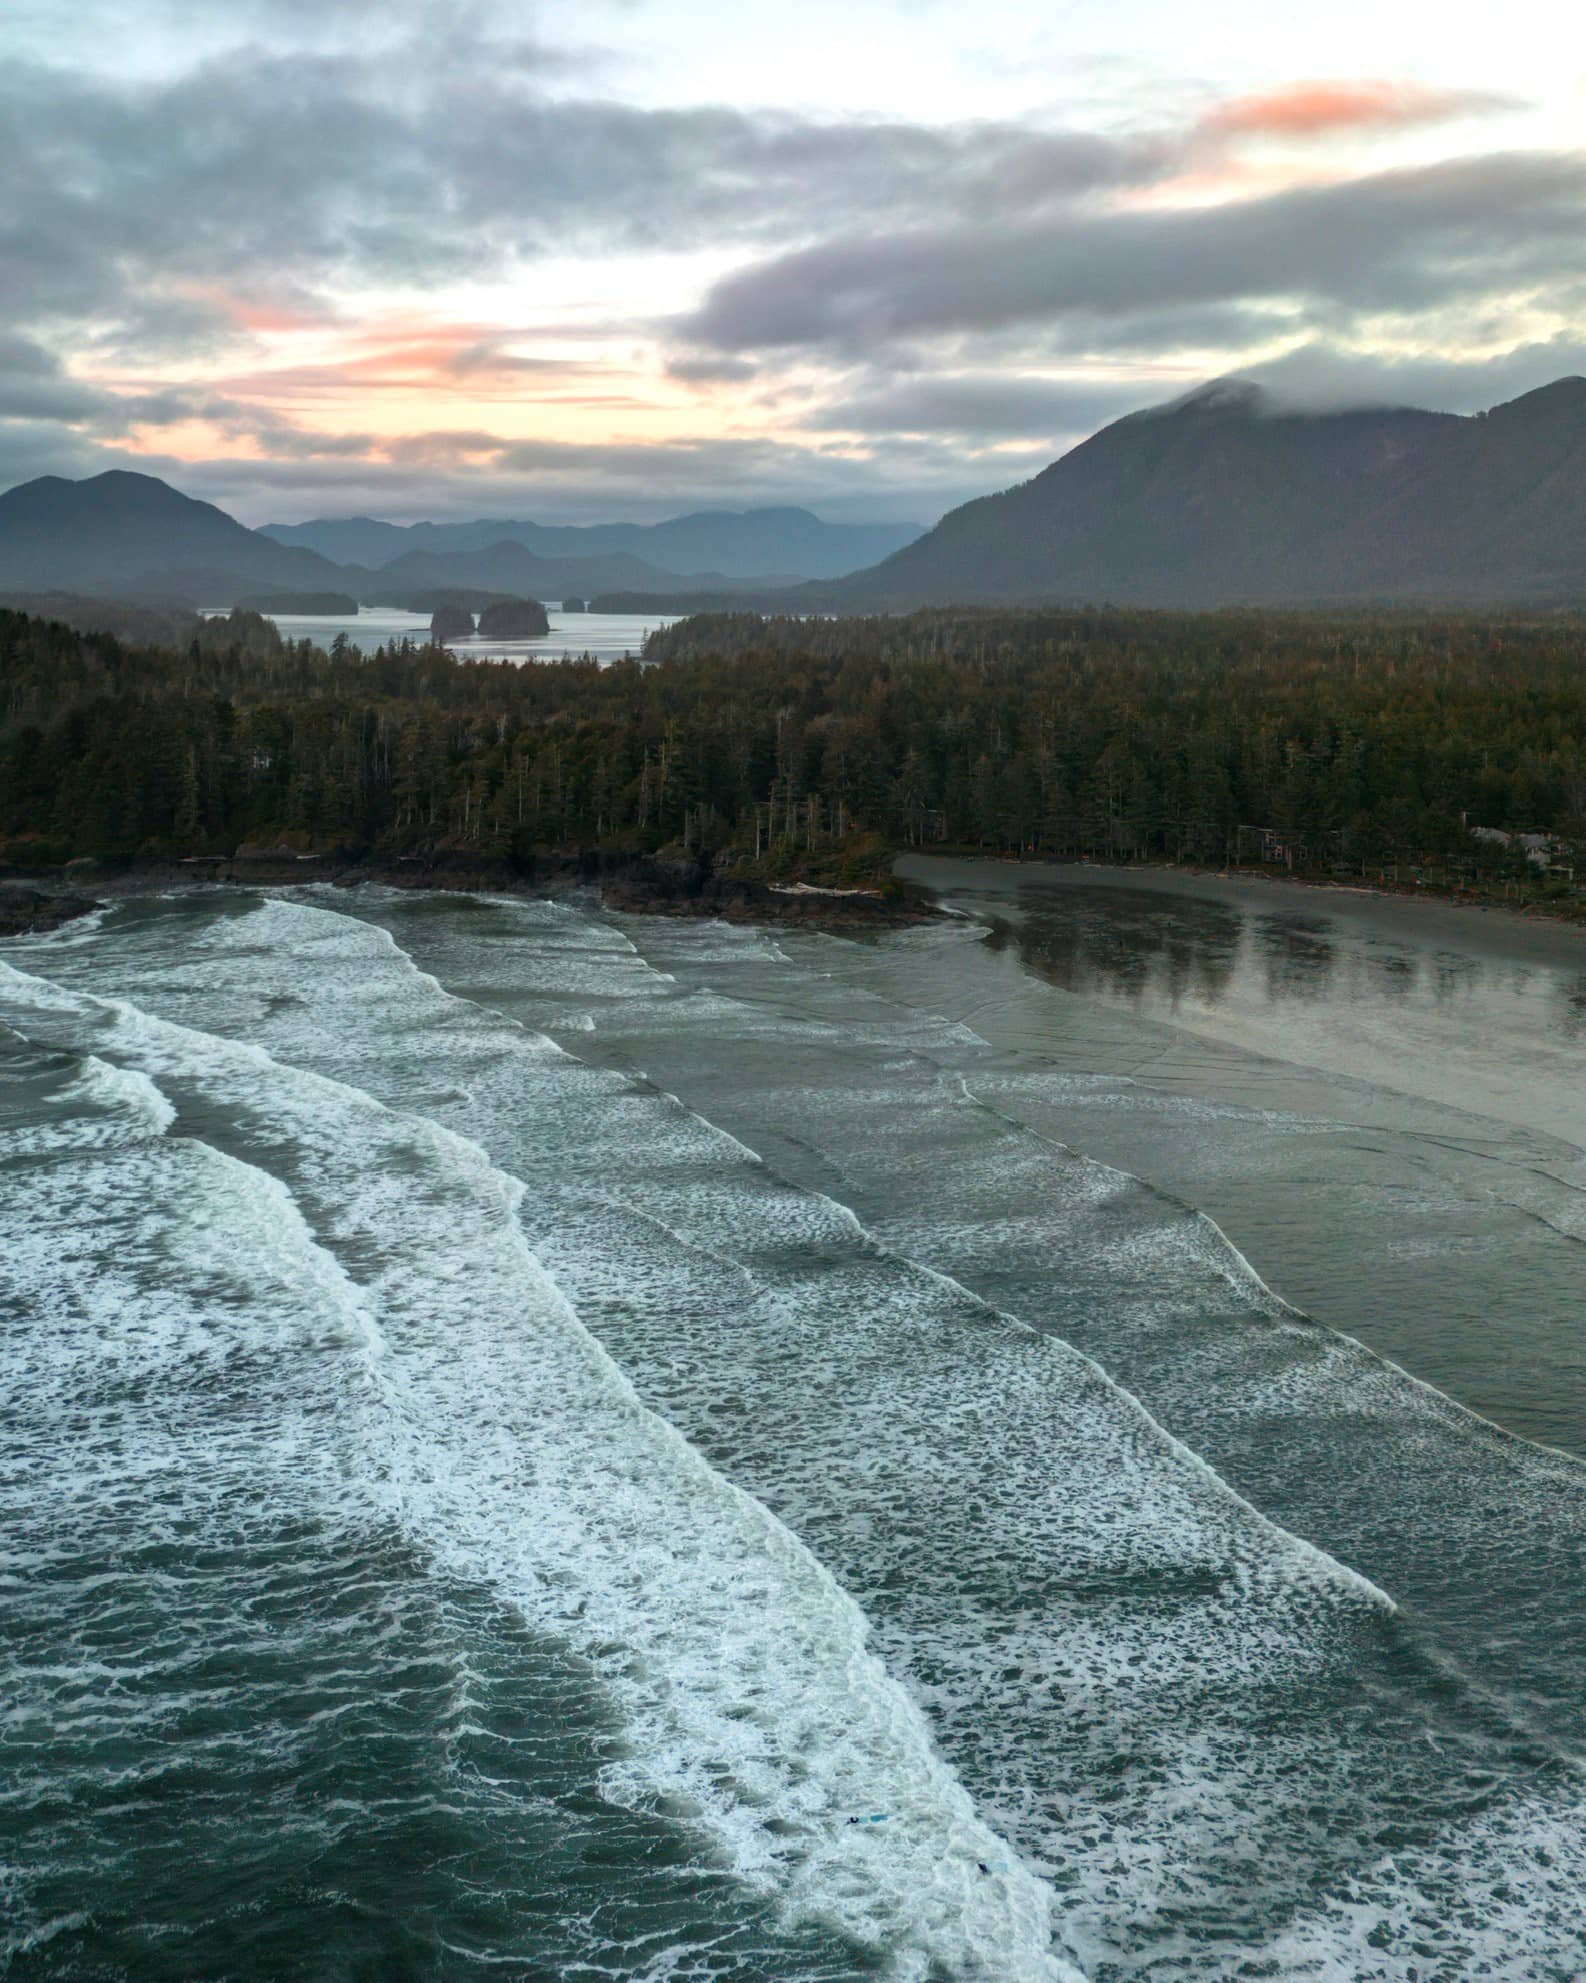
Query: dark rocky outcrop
{"points": [[637, 884], [29, 911], [655, 887], [254, 851]]}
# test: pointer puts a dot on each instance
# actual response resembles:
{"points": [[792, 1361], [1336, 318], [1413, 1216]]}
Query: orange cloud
{"points": [[350, 387], [1321, 109], [192, 440], [405, 355]]}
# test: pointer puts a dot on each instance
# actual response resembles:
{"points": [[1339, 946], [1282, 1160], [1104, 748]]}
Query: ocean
{"points": [[545, 1444]]}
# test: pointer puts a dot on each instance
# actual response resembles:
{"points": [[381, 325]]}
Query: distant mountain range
{"points": [[133, 536], [512, 569], [730, 544], [1223, 498]]}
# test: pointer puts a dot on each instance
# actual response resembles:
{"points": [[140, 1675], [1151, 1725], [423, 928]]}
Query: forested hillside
{"points": [[1227, 498], [1321, 743]]}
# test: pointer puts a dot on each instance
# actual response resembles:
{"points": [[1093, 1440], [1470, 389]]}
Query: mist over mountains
{"points": [[1222, 498]]}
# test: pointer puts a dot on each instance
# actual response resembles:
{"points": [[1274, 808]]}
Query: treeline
{"points": [[150, 625], [1318, 742]]}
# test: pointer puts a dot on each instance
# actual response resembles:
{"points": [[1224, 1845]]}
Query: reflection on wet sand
{"points": [[1572, 1019], [1382, 1103], [1127, 944], [1163, 951], [1296, 957], [1136, 946]]}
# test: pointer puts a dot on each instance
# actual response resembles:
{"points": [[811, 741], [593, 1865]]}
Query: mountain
{"points": [[1499, 512], [136, 535], [1224, 498], [353, 540], [510, 568], [1220, 498], [719, 544]]}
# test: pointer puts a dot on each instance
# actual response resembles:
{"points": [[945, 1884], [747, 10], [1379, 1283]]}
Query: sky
{"points": [[587, 259]]}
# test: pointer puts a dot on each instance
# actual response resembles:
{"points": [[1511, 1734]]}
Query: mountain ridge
{"points": [[1225, 498], [706, 544], [510, 567], [1220, 498], [128, 535], [122, 528]]}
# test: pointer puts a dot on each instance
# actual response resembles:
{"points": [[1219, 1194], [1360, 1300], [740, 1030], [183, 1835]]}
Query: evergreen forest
{"points": [[1348, 745]]}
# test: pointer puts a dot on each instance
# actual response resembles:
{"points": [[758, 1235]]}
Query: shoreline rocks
{"points": [[29, 911], [635, 884]]}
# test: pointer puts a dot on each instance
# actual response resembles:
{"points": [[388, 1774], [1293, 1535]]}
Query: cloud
{"points": [[417, 166], [1328, 109], [1393, 241], [1322, 376], [710, 368], [245, 219], [408, 355], [467, 474], [979, 408], [45, 447], [33, 385]]}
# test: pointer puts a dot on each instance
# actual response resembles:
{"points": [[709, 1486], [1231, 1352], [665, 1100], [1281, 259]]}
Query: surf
{"points": [[513, 1451], [1096, 1625]]}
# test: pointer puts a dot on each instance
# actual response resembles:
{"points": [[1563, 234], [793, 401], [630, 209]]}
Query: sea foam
{"points": [[513, 1448]]}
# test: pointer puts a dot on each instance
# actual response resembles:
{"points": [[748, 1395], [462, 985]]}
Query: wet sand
{"points": [[1477, 1009], [1482, 927]]}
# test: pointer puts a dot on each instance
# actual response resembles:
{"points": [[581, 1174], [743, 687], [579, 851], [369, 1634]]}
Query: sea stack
{"points": [[514, 619], [450, 623]]}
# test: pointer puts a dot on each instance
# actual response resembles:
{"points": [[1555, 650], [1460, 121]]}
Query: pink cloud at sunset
{"points": [[1332, 109], [407, 355]]}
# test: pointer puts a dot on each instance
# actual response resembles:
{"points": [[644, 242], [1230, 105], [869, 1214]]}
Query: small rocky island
{"points": [[514, 619], [450, 623]]}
